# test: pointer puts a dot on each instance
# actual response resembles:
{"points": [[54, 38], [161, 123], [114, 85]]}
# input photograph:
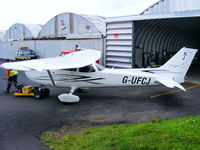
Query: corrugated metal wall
{"points": [[168, 35], [8, 49], [48, 48], [136, 44], [119, 45], [165, 6]]}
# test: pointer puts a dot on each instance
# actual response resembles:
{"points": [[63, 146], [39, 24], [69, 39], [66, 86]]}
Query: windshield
{"points": [[99, 67], [88, 68], [62, 54], [27, 52]]}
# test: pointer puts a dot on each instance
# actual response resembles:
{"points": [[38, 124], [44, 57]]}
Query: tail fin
{"points": [[180, 63]]}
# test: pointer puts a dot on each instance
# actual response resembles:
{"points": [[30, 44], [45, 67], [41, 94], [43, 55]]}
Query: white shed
{"points": [[22, 31], [70, 26]]}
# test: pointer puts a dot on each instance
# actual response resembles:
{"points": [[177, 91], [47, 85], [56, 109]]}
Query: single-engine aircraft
{"points": [[79, 70]]}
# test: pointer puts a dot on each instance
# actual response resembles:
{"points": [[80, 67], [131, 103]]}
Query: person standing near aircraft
{"points": [[12, 78]]}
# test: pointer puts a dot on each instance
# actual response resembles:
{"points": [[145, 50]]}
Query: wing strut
{"points": [[51, 77]]}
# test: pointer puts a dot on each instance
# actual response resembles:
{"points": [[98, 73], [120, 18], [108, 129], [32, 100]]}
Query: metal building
{"points": [[20, 31], [168, 6], [62, 32], [70, 25], [165, 27], [66, 30]]}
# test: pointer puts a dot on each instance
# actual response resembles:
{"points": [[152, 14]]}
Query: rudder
{"points": [[180, 63]]}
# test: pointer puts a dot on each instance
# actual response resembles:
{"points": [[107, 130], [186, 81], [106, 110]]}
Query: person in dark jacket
{"points": [[12, 78]]}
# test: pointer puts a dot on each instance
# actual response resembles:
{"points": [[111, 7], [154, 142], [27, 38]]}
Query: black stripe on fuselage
{"points": [[77, 78], [153, 71]]}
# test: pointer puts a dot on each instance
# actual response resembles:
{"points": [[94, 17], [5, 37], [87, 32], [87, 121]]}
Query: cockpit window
{"points": [[72, 69], [88, 68], [99, 67]]}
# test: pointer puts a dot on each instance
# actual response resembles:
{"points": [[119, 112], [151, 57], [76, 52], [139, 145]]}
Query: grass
{"points": [[179, 134]]}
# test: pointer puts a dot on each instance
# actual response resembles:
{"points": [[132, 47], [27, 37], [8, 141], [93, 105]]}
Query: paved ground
{"points": [[23, 119]]}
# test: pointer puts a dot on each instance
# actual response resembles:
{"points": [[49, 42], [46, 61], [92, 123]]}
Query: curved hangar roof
{"points": [[169, 24], [168, 34], [167, 6], [22, 31], [70, 25]]}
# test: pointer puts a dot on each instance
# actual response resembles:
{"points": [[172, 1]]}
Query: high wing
{"points": [[73, 60]]}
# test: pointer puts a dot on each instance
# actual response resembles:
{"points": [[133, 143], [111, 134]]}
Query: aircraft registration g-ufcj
{"points": [[80, 70]]}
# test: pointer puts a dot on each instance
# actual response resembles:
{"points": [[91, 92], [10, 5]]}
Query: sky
{"points": [[40, 11]]}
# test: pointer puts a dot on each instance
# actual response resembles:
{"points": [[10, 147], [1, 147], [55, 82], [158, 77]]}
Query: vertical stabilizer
{"points": [[180, 63]]}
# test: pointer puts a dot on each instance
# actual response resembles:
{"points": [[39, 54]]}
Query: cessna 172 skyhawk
{"points": [[79, 70]]}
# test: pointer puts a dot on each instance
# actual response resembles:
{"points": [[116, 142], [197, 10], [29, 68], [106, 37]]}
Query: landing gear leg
{"points": [[73, 89], [69, 98]]}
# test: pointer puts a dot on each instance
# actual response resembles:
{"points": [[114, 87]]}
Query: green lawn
{"points": [[179, 134]]}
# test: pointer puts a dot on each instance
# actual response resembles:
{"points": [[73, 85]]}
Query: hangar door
{"points": [[119, 44], [160, 39]]}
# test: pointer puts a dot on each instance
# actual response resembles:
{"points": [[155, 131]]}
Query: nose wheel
{"points": [[69, 98]]}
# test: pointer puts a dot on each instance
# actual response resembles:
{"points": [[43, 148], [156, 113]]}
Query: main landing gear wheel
{"points": [[83, 90], [40, 92]]}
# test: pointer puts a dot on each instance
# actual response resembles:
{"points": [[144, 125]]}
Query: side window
{"points": [[72, 69], [87, 69], [33, 52], [22, 53], [62, 54]]}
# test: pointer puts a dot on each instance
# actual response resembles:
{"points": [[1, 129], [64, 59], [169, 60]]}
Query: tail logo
{"points": [[184, 55]]}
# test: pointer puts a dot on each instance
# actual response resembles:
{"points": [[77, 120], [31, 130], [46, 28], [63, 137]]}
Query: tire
{"points": [[45, 92], [37, 93]]}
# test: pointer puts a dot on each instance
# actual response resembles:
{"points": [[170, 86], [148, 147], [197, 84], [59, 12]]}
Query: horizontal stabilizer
{"points": [[170, 83]]}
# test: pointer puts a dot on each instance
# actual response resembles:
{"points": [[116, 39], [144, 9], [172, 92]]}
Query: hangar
{"points": [[20, 31], [65, 30], [61, 32], [154, 35], [71, 25]]}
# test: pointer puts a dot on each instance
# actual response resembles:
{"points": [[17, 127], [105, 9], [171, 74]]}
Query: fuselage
{"points": [[97, 78]]}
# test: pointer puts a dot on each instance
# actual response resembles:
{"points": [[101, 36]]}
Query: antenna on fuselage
{"points": [[115, 65]]}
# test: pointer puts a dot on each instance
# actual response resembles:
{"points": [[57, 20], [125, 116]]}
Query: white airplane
{"points": [[79, 70]]}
